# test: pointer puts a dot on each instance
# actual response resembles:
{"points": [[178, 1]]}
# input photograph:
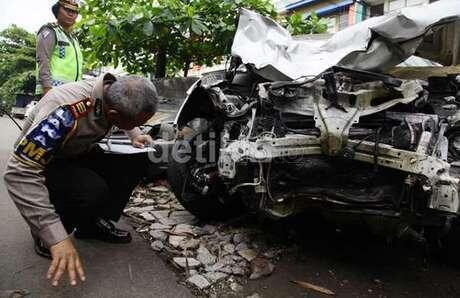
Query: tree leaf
{"points": [[198, 27], [148, 28]]}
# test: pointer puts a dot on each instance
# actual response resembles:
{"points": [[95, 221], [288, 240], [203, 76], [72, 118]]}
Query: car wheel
{"points": [[196, 183]]}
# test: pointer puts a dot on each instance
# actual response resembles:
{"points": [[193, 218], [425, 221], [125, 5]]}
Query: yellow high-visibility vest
{"points": [[66, 61]]}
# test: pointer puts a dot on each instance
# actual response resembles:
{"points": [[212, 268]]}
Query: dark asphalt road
{"points": [[131, 270]]}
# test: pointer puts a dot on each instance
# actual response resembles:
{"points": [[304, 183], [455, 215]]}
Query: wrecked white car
{"points": [[296, 124]]}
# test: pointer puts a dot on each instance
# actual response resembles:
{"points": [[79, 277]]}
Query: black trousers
{"points": [[95, 185]]}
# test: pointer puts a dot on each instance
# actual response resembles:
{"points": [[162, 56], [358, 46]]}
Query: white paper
{"points": [[125, 149]]}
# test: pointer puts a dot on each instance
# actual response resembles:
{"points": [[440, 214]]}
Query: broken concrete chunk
{"points": [[198, 231], [241, 246], [177, 207], [199, 281], [158, 235], [236, 287], [209, 229], [182, 217], [159, 226], [160, 214], [147, 216], [189, 244], [224, 237], [144, 214], [140, 191], [228, 260], [148, 202], [212, 244], [192, 272], [216, 267], [159, 189], [226, 270], [129, 210], [172, 251], [205, 256], [175, 241], [157, 245], [261, 267], [163, 201], [184, 229], [238, 238], [166, 221], [248, 254], [229, 248], [143, 209], [142, 229], [138, 200], [215, 276], [238, 270], [181, 262]]}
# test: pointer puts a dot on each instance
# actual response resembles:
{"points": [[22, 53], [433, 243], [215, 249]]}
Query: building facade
{"points": [[343, 13]]}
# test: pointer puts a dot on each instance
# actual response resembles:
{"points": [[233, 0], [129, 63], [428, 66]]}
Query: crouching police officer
{"points": [[61, 181]]}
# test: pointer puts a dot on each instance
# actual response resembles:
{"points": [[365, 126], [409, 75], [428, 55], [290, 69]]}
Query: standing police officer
{"points": [[59, 57]]}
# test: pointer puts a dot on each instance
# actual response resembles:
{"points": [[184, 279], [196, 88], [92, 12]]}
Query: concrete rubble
{"points": [[199, 281], [207, 254], [186, 262]]}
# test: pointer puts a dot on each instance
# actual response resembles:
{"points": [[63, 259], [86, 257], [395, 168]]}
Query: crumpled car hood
{"points": [[373, 45]]}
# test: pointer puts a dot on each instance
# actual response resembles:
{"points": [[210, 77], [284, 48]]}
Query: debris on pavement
{"points": [[261, 267], [157, 245], [186, 262], [199, 281], [247, 254], [236, 287], [206, 254], [15, 293], [255, 295], [309, 286]]}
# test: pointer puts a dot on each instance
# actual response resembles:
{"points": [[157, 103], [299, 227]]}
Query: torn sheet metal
{"points": [[373, 45]]}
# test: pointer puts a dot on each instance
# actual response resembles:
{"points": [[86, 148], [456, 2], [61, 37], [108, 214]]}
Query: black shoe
{"points": [[40, 248], [103, 230]]}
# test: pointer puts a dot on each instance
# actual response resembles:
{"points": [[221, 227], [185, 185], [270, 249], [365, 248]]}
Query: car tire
{"points": [[213, 206]]}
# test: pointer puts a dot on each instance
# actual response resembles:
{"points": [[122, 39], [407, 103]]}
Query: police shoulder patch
{"points": [[41, 142], [81, 108], [45, 33]]}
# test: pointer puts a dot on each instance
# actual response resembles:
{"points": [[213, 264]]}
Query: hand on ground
{"points": [[65, 258]]}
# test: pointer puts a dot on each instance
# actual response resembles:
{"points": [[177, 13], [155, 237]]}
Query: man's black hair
{"points": [[55, 9]]}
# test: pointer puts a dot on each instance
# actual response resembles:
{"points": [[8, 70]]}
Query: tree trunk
{"points": [[186, 66], [160, 63]]}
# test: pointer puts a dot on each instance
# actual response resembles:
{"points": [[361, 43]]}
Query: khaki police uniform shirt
{"points": [[65, 123], [46, 40]]}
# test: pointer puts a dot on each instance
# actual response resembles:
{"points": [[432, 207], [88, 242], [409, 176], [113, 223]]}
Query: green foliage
{"points": [[17, 63], [297, 24], [161, 36]]}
